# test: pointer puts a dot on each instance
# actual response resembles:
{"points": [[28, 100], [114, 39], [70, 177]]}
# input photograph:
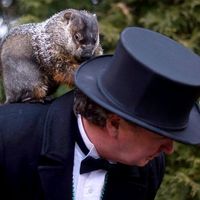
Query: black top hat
{"points": [[151, 80]]}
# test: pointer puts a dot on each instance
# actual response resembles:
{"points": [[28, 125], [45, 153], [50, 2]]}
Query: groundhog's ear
{"points": [[68, 15]]}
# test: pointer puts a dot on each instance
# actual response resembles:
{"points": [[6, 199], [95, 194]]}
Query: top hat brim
{"points": [[86, 79]]}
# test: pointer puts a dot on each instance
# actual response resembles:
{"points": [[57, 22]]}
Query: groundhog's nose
{"points": [[86, 55]]}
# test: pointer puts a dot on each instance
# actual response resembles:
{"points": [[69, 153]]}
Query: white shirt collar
{"points": [[86, 140]]}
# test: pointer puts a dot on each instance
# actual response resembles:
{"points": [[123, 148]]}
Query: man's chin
{"points": [[140, 163], [143, 163]]}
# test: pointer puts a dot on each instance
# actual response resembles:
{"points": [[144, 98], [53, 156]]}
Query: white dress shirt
{"points": [[88, 186]]}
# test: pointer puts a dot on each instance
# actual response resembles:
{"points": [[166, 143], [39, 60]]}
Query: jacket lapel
{"points": [[56, 161], [56, 182]]}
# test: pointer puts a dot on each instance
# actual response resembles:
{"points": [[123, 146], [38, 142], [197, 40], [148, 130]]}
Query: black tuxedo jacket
{"points": [[37, 152]]}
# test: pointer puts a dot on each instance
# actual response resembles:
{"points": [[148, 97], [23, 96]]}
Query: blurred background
{"points": [[178, 19]]}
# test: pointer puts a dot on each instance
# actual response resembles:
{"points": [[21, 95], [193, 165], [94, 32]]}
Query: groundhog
{"points": [[36, 58]]}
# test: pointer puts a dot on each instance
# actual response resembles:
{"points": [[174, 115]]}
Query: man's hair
{"points": [[87, 108]]}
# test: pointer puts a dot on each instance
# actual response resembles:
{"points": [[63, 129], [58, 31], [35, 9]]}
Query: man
{"points": [[129, 108]]}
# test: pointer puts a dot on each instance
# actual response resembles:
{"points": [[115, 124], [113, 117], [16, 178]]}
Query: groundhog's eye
{"points": [[78, 36]]}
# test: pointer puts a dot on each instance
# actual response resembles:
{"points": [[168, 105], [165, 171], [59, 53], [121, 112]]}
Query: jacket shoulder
{"points": [[21, 130], [31, 117], [21, 117]]}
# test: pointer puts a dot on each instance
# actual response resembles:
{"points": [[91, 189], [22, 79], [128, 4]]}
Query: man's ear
{"points": [[112, 124]]}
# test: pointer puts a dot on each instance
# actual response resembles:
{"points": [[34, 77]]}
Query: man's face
{"points": [[137, 146]]}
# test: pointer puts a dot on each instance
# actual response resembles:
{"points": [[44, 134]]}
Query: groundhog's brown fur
{"points": [[36, 58]]}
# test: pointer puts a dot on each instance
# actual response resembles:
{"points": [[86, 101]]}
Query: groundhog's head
{"points": [[84, 30], [80, 34]]}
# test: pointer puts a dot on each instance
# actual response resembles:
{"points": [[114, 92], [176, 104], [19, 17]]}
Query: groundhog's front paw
{"points": [[39, 93], [98, 51]]}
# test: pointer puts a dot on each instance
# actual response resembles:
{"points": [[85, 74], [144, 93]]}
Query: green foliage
{"points": [[118, 17], [2, 96], [182, 179], [179, 20]]}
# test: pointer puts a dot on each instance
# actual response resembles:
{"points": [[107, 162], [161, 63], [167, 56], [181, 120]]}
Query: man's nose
{"points": [[168, 147]]}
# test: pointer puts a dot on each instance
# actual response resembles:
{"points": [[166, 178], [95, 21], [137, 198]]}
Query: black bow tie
{"points": [[91, 164]]}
